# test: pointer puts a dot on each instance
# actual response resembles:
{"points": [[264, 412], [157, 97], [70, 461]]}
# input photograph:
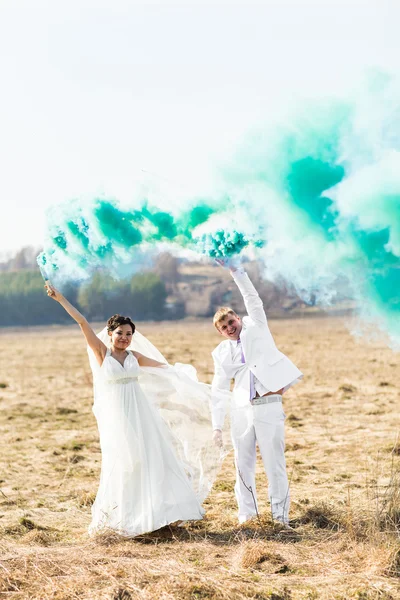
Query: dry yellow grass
{"points": [[343, 458]]}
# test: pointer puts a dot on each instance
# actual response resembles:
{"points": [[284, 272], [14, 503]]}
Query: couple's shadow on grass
{"points": [[319, 518], [229, 536]]}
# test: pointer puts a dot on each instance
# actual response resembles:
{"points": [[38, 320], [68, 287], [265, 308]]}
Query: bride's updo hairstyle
{"points": [[118, 320]]}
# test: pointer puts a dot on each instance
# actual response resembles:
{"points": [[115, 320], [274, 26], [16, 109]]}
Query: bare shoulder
{"points": [[146, 361]]}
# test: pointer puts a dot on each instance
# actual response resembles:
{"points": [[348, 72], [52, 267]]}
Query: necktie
{"points": [[243, 360]]}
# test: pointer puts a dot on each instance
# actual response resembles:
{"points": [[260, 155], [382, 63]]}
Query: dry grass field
{"points": [[343, 458]]}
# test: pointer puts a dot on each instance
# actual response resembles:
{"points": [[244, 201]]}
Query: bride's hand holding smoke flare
{"points": [[52, 292]]}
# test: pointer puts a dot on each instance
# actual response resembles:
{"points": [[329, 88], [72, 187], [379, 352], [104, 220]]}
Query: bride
{"points": [[158, 461]]}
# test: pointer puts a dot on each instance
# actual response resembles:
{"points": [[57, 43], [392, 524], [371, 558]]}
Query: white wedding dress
{"points": [[158, 459]]}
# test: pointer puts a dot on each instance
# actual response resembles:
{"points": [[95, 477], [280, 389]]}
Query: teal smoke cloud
{"points": [[83, 237], [316, 196], [326, 185]]}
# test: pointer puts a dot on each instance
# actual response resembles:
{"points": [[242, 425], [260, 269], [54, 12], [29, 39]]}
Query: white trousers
{"points": [[267, 430]]}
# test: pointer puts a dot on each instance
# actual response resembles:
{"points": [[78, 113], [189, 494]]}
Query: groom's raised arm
{"points": [[252, 301]]}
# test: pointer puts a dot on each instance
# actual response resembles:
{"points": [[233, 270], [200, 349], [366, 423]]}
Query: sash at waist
{"points": [[123, 380]]}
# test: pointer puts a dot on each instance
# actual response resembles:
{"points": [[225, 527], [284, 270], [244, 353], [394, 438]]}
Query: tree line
{"points": [[23, 300], [173, 289]]}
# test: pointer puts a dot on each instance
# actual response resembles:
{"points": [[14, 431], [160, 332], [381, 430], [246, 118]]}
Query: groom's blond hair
{"points": [[221, 313]]}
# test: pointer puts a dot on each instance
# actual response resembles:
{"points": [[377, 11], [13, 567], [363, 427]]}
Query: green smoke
{"points": [[316, 196], [328, 195], [101, 234], [116, 225]]}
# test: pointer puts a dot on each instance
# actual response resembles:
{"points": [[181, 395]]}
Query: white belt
{"points": [[122, 380], [266, 399]]}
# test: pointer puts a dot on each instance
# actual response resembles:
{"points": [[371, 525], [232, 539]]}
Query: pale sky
{"points": [[93, 93]]}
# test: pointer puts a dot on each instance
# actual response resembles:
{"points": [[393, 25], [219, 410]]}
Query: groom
{"points": [[261, 375]]}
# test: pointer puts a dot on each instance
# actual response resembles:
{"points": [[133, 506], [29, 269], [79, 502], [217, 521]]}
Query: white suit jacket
{"points": [[270, 366]]}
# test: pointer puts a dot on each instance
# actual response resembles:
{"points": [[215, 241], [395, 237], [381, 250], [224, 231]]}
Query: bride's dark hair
{"points": [[118, 320]]}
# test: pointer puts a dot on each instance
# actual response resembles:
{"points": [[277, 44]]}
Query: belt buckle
{"points": [[257, 401]]}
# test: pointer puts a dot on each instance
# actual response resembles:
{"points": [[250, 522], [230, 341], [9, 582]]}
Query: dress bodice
{"points": [[112, 371]]}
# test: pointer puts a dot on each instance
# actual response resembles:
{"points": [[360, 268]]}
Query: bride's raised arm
{"points": [[145, 361], [93, 341]]}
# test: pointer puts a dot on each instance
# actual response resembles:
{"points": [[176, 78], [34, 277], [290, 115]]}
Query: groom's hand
{"points": [[221, 262], [224, 262], [217, 437]]}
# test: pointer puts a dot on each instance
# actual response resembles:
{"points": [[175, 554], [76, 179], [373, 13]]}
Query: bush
{"points": [[103, 297], [23, 300], [148, 295], [143, 297]]}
